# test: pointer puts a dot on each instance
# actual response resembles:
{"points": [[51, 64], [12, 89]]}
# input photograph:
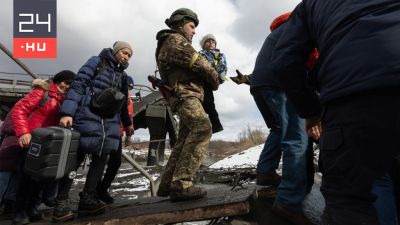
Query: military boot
{"points": [[163, 191], [62, 212], [190, 193], [90, 205]]}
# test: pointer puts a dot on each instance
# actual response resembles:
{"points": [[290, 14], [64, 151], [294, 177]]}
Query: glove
{"points": [[240, 78], [129, 131]]}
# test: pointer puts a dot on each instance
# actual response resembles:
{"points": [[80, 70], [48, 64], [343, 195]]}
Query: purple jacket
{"points": [[11, 154]]}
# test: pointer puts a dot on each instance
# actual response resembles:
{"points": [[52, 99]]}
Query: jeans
{"points": [[287, 137], [4, 180], [385, 203]]}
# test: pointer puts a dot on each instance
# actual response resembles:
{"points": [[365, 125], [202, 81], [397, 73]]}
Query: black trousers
{"points": [[209, 107], [113, 164], [359, 142], [28, 193], [93, 177]]}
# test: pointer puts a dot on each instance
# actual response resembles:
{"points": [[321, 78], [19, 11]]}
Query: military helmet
{"points": [[181, 14]]}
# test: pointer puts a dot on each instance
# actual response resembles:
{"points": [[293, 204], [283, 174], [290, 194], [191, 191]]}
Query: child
{"points": [[218, 61]]}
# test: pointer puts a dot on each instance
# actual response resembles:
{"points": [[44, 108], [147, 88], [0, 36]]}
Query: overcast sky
{"points": [[85, 27]]}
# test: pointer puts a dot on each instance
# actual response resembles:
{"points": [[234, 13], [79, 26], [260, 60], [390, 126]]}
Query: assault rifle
{"points": [[165, 90]]}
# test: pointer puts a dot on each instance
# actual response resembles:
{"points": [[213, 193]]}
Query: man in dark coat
{"points": [[358, 74]]}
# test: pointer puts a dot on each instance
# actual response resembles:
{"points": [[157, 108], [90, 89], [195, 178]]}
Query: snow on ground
{"points": [[245, 159]]}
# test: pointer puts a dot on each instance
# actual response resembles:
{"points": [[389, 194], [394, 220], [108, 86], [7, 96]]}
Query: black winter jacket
{"points": [[359, 48], [262, 75]]}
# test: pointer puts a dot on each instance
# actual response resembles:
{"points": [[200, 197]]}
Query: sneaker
{"points": [[90, 205], [105, 197], [62, 212], [190, 193], [295, 217], [34, 214], [21, 218], [268, 179]]}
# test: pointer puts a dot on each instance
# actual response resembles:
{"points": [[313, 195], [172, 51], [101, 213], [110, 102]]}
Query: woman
{"points": [[37, 109], [99, 134]]}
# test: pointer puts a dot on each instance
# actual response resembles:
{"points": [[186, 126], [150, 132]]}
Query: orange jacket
{"points": [[130, 112]]}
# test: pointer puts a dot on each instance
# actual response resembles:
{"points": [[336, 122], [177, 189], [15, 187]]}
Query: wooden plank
{"points": [[156, 210], [177, 216]]}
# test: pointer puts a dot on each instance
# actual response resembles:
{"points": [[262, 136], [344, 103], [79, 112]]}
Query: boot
{"points": [[34, 214], [21, 218], [105, 196], [190, 193], [268, 179], [295, 217], [49, 202], [163, 191], [90, 205], [8, 207], [62, 212]]}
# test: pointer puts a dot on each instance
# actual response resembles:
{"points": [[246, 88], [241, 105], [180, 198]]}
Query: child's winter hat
{"points": [[205, 38], [65, 75], [118, 45]]}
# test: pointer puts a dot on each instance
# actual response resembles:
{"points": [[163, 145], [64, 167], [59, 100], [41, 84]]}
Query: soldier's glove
{"points": [[240, 78]]}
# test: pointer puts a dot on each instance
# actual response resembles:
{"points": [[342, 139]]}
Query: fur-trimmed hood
{"points": [[45, 85]]}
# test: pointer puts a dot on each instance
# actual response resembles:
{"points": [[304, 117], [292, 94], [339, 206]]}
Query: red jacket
{"points": [[26, 116], [130, 112]]}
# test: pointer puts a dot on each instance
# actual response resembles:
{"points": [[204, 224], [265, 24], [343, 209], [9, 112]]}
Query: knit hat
{"points": [[205, 38], [279, 21], [118, 45], [65, 75]]}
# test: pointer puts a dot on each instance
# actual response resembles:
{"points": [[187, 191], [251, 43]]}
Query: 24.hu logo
{"points": [[35, 29]]}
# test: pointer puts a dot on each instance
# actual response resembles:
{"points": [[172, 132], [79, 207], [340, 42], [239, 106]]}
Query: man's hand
{"points": [[65, 121], [240, 78], [24, 140], [313, 127], [129, 131]]}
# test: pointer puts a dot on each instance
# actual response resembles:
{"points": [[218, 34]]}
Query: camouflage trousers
{"points": [[191, 146]]}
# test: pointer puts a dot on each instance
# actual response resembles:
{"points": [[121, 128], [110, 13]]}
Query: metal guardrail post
{"points": [[142, 171], [21, 64]]}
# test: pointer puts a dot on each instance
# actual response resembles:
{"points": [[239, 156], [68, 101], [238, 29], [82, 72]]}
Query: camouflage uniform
{"points": [[187, 72]]}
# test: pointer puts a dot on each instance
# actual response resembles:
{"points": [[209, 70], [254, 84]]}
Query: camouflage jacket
{"points": [[182, 67]]}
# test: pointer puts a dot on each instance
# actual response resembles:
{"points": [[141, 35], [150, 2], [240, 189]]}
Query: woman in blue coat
{"points": [[99, 133]]}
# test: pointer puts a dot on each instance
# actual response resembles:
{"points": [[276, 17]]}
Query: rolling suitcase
{"points": [[52, 153]]}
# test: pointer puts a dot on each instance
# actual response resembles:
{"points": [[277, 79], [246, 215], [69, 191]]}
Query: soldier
{"points": [[186, 71]]}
